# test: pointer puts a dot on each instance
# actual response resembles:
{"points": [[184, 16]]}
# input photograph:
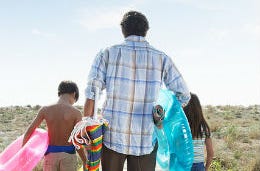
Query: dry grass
{"points": [[256, 164], [236, 136], [235, 133]]}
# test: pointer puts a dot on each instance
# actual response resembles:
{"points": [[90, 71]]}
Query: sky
{"points": [[214, 44]]}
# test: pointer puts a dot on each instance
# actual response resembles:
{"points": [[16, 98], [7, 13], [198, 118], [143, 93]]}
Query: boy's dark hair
{"points": [[68, 87], [193, 111], [134, 23]]}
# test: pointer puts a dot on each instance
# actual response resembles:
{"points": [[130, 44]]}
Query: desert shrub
{"points": [[237, 154], [28, 106], [231, 135], [238, 114], [254, 132], [217, 133], [43, 125], [256, 163], [223, 163], [36, 107], [246, 140], [235, 139], [256, 167], [228, 164], [216, 166], [227, 115], [214, 127]]}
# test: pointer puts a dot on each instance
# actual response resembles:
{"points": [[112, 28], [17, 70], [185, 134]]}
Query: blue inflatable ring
{"points": [[175, 147]]}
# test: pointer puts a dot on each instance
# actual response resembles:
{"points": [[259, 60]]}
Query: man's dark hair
{"points": [[134, 23], [68, 87]]}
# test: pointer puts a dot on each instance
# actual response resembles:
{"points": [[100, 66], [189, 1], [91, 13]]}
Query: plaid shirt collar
{"points": [[134, 38]]}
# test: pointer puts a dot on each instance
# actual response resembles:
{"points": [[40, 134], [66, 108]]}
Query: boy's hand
{"points": [[88, 147]]}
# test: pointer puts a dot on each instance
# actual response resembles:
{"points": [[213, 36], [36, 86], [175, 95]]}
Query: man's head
{"points": [[134, 23], [68, 87]]}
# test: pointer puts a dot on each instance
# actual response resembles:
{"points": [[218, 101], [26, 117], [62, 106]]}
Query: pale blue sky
{"points": [[215, 44]]}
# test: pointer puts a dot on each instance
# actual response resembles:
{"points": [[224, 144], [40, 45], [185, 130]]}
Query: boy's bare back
{"points": [[60, 119]]}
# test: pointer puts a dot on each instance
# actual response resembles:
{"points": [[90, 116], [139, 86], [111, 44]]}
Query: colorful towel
{"points": [[90, 132], [95, 133]]}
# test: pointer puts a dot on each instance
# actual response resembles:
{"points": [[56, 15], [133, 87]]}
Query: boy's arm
{"points": [[81, 151], [82, 156], [36, 122], [210, 152]]}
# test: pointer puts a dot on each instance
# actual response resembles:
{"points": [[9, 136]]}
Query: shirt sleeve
{"points": [[97, 75], [174, 81]]}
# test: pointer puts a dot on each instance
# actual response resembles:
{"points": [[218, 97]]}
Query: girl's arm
{"points": [[210, 152]]}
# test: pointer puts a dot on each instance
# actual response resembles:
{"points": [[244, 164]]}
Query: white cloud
{"points": [[100, 18], [248, 31], [204, 4], [192, 53], [104, 17], [36, 31], [218, 34], [253, 30]]}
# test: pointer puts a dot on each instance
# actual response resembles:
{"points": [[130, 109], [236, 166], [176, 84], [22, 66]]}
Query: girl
{"points": [[200, 133]]}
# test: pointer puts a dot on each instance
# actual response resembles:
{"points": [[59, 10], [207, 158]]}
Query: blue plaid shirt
{"points": [[132, 74]]}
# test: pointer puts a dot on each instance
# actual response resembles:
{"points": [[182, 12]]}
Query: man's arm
{"points": [[96, 80], [36, 122], [89, 107], [174, 81]]}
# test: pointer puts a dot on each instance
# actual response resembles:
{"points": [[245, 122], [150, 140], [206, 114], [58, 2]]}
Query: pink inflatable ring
{"points": [[15, 157]]}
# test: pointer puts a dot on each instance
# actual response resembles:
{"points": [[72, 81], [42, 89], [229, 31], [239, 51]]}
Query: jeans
{"points": [[198, 167]]}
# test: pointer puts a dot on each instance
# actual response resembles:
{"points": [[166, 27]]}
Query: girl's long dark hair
{"points": [[196, 119]]}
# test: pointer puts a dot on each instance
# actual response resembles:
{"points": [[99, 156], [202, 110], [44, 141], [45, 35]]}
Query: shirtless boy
{"points": [[60, 119]]}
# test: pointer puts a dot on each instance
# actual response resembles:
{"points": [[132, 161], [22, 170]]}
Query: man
{"points": [[60, 119], [132, 74]]}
